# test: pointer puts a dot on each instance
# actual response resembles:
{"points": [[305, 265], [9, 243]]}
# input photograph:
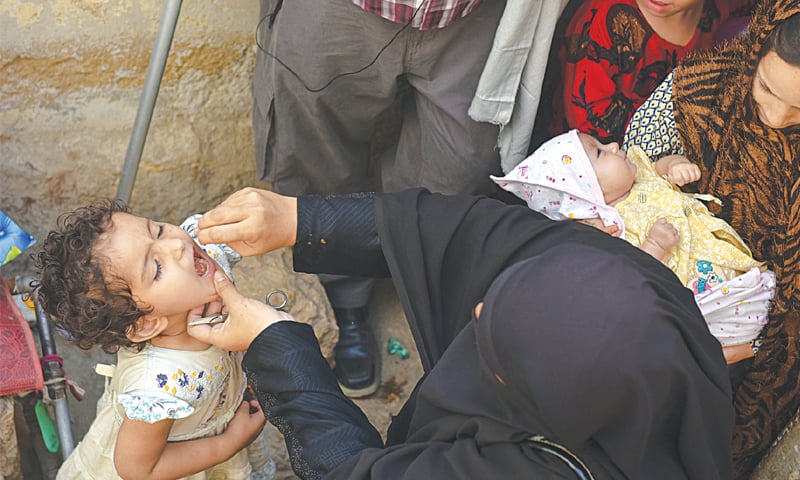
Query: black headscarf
{"points": [[611, 358]]}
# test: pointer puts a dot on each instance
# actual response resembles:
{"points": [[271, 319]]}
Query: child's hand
{"points": [[682, 173], [661, 237], [143, 450], [246, 424], [612, 230]]}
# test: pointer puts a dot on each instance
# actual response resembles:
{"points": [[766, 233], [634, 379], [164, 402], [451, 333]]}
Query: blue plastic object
{"points": [[13, 239]]}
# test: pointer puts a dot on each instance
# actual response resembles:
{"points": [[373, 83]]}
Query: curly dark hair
{"points": [[92, 309]]}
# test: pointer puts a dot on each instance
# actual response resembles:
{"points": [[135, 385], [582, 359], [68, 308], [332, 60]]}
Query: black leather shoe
{"points": [[357, 360]]}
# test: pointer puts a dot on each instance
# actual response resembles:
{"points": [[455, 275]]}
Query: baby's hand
{"points": [[682, 173], [246, 424], [612, 230], [663, 234], [661, 237]]}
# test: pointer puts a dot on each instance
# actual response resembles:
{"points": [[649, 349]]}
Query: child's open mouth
{"points": [[201, 266]]}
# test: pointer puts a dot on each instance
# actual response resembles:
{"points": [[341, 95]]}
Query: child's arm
{"points": [[661, 237], [142, 450], [678, 169], [737, 353]]}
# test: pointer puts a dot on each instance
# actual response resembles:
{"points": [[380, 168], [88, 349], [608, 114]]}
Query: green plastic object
{"points": [[396, 348], [49, 433]]}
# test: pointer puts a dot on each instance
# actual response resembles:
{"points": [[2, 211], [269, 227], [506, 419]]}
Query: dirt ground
{"points": [[398, 379]]}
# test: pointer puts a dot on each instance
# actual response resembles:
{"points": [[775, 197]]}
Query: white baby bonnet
{"points": [[558, 181]]}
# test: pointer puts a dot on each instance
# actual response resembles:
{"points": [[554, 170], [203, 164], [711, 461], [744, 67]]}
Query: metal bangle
{"points": [[277, 299]]}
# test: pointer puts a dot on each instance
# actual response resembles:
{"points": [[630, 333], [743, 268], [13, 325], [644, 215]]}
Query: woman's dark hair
{"points": [[92, 309], [785, 40]]}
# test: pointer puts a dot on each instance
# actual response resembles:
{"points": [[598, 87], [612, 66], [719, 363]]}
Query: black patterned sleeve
{"points": [[338, 235], [299, 395]]}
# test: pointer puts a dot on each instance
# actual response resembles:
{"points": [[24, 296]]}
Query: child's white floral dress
{"points": [[200, 390]]}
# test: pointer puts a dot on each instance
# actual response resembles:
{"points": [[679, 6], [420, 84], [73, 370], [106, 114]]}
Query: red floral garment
{"points": [[610, 61]]}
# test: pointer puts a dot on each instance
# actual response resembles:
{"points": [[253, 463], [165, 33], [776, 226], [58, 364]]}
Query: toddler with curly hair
{"points": [[174, 406]]}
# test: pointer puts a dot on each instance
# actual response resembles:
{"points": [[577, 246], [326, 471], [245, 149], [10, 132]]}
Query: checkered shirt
{"points": [[422, 14]]}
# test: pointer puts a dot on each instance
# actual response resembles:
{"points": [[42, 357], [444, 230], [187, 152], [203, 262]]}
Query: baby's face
{"points": [[614, 171], [161, 264]]}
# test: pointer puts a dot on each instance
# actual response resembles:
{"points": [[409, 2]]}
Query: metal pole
{"points": [[58, 390], [152, 82]]}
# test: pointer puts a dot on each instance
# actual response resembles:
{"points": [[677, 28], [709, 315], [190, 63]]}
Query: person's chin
{"points": [[202, 303], [763, 119], [657, 8]]}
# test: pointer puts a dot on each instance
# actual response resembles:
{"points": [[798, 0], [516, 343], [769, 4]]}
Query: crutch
{"points": [[152, 82]]}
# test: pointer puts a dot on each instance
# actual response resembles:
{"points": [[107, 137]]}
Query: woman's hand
{"points": [[597, 223], [251, 221], [737, 353], [246, 318]]}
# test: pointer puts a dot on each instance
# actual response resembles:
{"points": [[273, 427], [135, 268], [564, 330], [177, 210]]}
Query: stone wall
{"points": [[73, 73]]}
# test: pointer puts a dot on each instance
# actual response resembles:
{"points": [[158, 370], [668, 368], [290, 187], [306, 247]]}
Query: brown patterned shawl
{"points": [[755, 170]]}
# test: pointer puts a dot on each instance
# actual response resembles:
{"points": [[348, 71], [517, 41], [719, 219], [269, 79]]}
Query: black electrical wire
{"points": [[271, 17]]}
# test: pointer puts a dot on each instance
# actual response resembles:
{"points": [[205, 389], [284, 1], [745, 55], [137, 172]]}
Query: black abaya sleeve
{"points": [[338, 235], [299, 395], [328, 436], [294, 384]]}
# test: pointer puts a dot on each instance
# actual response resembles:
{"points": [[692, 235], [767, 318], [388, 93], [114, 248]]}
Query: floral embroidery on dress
{"points": [[151, 408], [180, 390], [188, 385]]}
